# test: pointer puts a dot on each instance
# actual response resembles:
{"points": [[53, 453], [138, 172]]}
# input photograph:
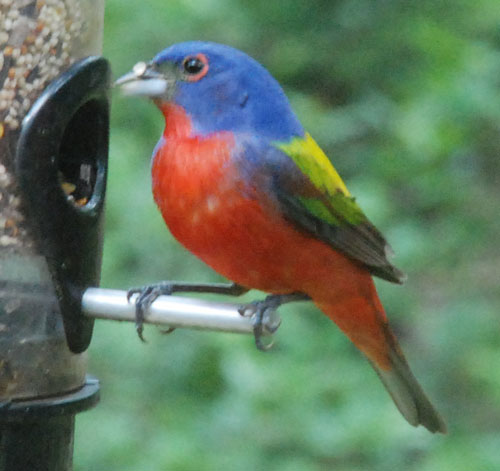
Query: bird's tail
{"points": [[406, 391], [365, 323]]}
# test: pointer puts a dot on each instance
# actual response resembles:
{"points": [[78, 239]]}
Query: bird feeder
{"points": [[53, 153]]}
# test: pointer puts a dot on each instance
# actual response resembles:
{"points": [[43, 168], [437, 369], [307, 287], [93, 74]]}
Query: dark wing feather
{"points": [[362, 241]]}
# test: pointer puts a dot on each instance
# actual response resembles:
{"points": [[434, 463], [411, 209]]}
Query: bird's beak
{"points": [[142, 80]]}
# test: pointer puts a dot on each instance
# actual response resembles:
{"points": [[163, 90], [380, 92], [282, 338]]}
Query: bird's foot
{"points": [[264, 317], [146, 295]]}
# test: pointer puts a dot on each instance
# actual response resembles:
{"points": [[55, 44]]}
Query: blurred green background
{"points": [[404, 97]]}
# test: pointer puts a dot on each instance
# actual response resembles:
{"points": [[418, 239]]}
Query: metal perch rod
{"points": [[174, 311]]}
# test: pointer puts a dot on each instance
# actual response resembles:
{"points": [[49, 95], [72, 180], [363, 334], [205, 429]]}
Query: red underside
{"points": [[241, 235]]}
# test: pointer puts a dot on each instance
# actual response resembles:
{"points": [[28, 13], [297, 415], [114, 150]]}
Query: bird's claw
{"points": [[146, 295], [167, 331], [265, 320]]}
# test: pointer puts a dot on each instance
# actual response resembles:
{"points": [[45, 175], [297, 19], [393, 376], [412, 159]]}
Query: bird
{"points": [[244, 187]]}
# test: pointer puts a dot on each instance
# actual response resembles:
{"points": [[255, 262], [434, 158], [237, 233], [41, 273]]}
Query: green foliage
{"points": [[404, 97]]}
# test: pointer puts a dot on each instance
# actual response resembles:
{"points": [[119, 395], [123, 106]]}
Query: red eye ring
{"points": [[195, 67]]}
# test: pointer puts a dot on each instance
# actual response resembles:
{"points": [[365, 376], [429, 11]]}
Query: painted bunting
{"points": [[244, 187]]}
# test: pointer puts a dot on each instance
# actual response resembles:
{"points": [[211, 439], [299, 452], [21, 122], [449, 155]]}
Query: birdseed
{"points": [[35, 47]]}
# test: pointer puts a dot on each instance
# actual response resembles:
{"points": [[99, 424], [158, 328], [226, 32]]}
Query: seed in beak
{"points": [[139, 69]]}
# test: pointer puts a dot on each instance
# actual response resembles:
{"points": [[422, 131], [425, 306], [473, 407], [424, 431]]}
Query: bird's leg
{"points": [[147, 294], [261, 314]]}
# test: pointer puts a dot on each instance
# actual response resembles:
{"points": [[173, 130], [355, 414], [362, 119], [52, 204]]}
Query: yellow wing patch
{"points": [[314, 163]]}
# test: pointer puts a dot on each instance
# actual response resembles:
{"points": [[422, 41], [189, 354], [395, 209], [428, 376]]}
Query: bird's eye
{"points": [[195, 67]]}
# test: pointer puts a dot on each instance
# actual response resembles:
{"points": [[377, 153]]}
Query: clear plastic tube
{"points": [[39, 39]]}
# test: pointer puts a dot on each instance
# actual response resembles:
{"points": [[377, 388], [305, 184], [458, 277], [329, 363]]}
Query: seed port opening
{"points": [[79, 154]]}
